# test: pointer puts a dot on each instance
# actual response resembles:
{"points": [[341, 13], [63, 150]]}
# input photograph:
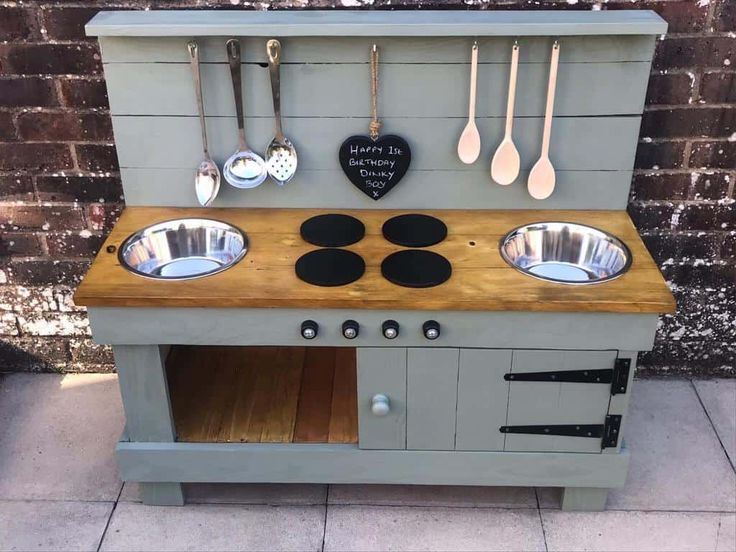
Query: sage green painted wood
{"points": [[307, 463], [382, 371], [145, 393], [482, 398], [450, 189], [431, 398], [539, 403], [582, 49], [619, 404], [503, 330], [584, 499], [341, 89], [579, 143], [372, 23], [162, 494]]}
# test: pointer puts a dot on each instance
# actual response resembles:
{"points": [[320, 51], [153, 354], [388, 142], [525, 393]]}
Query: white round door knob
{"points": [[380, 405]]}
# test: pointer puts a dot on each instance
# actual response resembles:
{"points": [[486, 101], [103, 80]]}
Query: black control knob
{"points": [[350, 329], [431, 329], [390, 329], [310, 329]]}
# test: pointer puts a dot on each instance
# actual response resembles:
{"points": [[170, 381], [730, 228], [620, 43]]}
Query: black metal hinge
{"points": [[608, 432], [611, 430], [618, 377]]}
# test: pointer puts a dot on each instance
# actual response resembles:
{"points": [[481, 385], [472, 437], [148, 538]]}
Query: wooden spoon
{"points": [[541, 181], [468, 147], [505, 163]]}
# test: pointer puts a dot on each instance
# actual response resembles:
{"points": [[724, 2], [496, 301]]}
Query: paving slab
{"points": [[433, 495], [367, 528], [677, 462], [198, 527], [638, 531], [52, 525], [58, 435], [242, 493], [719, 399]]}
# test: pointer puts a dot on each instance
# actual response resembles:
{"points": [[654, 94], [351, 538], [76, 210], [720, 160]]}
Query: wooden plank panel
{"points": [[344, 412], [578, 143], [382, 371], [538, 403], [315, 398], [431, 398], [368, 23], [482, 398], [616, 88], [287, 367], [582, 49], [456, 189]]}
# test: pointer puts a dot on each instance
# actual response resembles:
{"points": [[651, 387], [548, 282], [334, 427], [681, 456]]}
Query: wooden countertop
{"points": [[481, 280]]}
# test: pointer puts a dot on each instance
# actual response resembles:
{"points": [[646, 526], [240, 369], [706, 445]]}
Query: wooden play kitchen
{"points": [[423, 273]]}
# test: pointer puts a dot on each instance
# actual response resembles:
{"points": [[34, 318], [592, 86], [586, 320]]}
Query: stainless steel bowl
{"points": [[183, 249], [566, 253]]}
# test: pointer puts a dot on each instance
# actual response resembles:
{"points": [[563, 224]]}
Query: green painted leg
{"points": [[162, 494], [584, 499]]}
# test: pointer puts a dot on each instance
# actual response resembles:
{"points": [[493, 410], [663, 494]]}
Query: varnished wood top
{"points": [[481, 280]]}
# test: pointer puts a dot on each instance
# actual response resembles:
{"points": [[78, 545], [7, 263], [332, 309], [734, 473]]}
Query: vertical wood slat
{"points": [[431, 402], [344, 411], [287, 370], [315, 399]]}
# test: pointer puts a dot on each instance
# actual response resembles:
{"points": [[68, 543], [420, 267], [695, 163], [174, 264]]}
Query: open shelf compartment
{"points": [[263, 394]]}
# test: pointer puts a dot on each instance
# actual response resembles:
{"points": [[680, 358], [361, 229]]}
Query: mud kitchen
{"points": [[376, 247]]}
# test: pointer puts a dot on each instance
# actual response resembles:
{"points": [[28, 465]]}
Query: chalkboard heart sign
{"points": [[375, 166]]}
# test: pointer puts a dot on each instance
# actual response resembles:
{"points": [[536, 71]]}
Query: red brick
{"points": [[701, 276], [27, 91], [717, 155], [21, 244], [88, 352], [725, 20], [663, 155], [40, 126], [73, 244], [705, 216], [718, 87], [79, 188], [40, 157], [7, 127], [46, 272], [50, 59], [694, 52], [34, 354], [84, 93], [16, 188], [687, 122], [18, 24], [67, 23], [660, 186], [54, 324], [97, 158], [651, 216], [670, 89], [663, 246], [728, 248], [103, 216], [40, 217], [710, 186]]}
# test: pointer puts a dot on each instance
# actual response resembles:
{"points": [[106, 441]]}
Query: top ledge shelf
{"points": [[283, 23]]}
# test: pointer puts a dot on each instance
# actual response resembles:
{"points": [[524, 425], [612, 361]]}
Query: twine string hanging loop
{"points": [[375, 125]]}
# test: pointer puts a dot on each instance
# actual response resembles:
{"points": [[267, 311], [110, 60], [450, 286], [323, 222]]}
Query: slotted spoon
{"points": [[280, 155]]}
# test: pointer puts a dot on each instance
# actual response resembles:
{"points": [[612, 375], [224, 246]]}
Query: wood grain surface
{"points": [[481, 280], [263, 394]]}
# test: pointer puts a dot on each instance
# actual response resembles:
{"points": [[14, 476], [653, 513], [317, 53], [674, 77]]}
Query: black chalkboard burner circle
{"points": [[375, 164], [332, 230], [416, 268], [414, 230], [330, 267]]}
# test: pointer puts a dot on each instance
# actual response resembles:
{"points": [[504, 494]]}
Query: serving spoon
{"points": [[468, 147], [245, 168], [280, 155], [207, 177], [506, 163]]}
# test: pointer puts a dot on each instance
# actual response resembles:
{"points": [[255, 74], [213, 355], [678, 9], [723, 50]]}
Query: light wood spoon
{"points": [[541, 181], [468, 147], [505, 163]]}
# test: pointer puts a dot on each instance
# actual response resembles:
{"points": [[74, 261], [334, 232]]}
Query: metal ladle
{"points": [[280, 154], [245, 168], [207, 177]]}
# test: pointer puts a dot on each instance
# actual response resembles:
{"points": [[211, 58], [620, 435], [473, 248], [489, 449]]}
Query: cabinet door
{"points": [[431, 387], [533, 403], [382, 372], [482, 398]]}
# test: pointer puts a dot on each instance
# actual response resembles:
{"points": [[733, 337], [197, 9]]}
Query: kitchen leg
{"points": [[145, 393], [585, 499]]}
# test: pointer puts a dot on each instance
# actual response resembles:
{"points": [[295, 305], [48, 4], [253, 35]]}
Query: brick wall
{"points": [[60, 190]]}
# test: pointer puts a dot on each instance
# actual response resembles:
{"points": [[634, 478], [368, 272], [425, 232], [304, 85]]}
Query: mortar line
{"points": [[731, 461], [109, 518]]}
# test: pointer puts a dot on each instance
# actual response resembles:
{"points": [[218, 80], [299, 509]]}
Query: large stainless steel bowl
{"points": [[566, 253], [183, 249]]}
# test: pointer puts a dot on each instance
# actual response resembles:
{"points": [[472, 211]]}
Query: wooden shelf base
{"points": [[263, 394]]}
